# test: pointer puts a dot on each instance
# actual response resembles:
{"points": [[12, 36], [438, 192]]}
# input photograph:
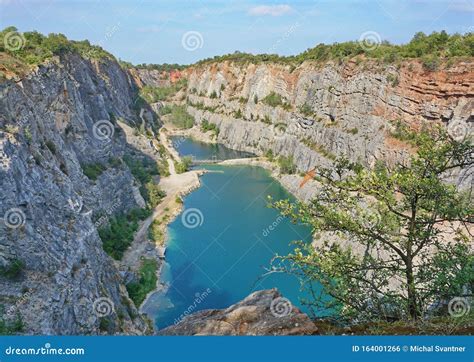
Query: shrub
{"points": [[147, 282], [184, 165], [213, 95], [286, 165], [152, 193], [13, 269], [180, 117], [93, 170], [118, 235]]}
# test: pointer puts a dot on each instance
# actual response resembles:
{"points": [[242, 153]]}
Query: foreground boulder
{"points": [[263, 312]]}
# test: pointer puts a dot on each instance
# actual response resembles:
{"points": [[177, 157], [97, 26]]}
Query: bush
{"points": [[184, 165], [13, 270], [155, 94], [147, 282], [213, 95], [118, 235], [180, 117], [142, 168], [11, 328], [286, 165], [93, 170], [269, 155], [430, 63], [207, 126], [152, 193]]}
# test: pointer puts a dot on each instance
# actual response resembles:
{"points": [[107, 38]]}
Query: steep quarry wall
{"points": [[51, 211], [329, 110]]}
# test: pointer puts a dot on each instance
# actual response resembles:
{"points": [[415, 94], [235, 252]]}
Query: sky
{"points": [[184, 32]]}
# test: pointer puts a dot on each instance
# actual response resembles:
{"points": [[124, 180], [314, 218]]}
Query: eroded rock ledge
{"points": [[264, 312]]}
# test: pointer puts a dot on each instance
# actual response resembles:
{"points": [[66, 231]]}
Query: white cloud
{"points": [[273, 10]]}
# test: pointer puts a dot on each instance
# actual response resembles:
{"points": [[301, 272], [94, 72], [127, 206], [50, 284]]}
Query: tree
{"points": [[393, 240]]}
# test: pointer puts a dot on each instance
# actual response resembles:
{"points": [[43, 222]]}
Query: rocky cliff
{"points": [[264, 312], [320, 111], [65, 115]]}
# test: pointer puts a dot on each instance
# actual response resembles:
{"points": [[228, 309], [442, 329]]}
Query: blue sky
{"points": [[185, 31]]}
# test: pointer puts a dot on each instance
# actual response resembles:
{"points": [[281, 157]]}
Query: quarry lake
{"points": [[220, 246]]}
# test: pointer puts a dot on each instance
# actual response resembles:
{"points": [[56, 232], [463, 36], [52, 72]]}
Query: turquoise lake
{"points": [[218, 254]]}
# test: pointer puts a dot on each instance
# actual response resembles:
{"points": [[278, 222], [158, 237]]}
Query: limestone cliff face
{"points": [[331, 110], [51, 211]]}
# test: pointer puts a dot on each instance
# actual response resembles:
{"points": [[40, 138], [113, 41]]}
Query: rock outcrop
{"points": [[53, 122], [329, 110], [263, 312]]}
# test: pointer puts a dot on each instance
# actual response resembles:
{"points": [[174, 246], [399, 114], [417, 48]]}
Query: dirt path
{"points": [[174, 185]]}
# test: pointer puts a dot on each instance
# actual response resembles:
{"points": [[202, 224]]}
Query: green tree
{"points": [[393, 240]]}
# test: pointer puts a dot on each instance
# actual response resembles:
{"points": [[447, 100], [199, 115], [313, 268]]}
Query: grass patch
{"points": [[146, 283], [152, 193]]}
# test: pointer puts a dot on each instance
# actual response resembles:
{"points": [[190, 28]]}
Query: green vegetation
{"points": [[398, 217], [36, 47], [147, 282], [118, 235], [155, 94], [13, 269], [320, 148], [10, 327], [269, 154], [207, 126], [179, 116], [51, 146], [273, 99], [152, 193], [184, 165], [142, 168], [155, 232], [213, 95], [93, 170], [286, 165], [161, 67], [437, 45]]}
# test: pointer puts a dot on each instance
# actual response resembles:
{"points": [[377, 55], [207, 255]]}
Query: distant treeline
{"points": [[35, 48], [435, 45]]}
